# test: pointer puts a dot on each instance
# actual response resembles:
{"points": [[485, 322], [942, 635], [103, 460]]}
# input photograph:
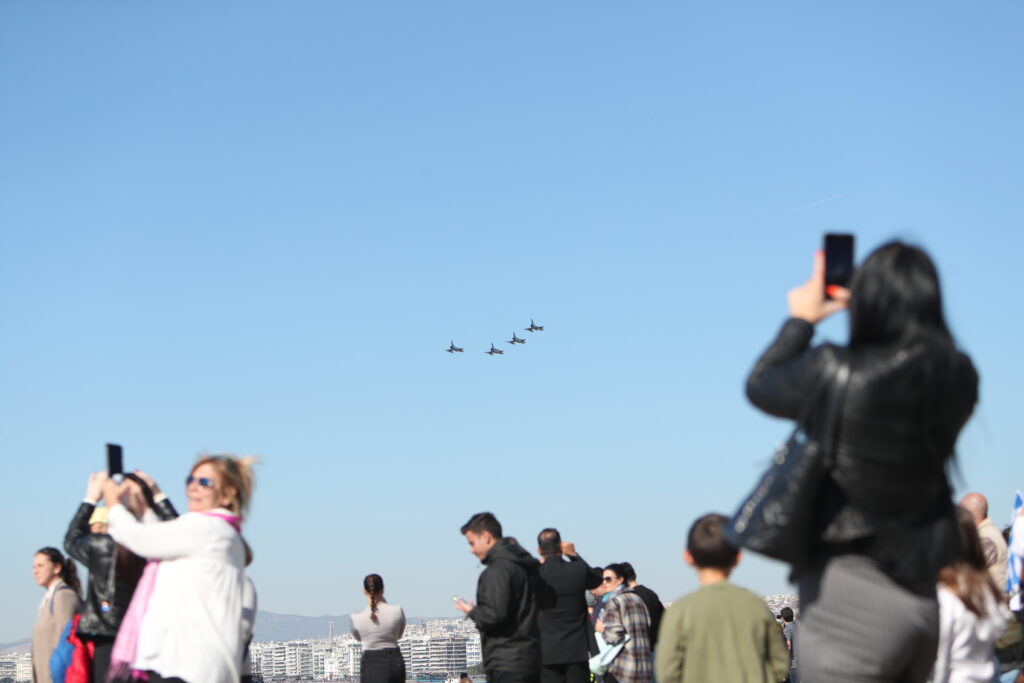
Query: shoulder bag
{"points": [[777, 518]]}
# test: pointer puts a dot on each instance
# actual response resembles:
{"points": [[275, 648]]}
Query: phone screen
{"points": [[838, 260], [115, 460]]}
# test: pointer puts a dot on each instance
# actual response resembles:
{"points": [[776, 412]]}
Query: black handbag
{"points": [[777, 519]]}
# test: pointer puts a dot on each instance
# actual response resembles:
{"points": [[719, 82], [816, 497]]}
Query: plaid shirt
{"points": [[626, 613]]}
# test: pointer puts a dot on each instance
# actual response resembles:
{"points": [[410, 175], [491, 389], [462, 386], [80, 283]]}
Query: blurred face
{"points": [[205, 490], [45, 571], [98, 528], [610, 581], [480, 544]]}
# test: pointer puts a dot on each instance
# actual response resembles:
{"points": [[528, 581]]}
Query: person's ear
{"points": [[688, 558], [230, 495]]}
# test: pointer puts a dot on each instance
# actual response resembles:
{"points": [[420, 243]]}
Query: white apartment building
{"points": [[17, 667]]}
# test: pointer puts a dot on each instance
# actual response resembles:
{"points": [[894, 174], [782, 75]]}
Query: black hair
{"points": [[374, 585], [895, 297], [707, 544], [786, 613], [68, 572], [896, 300], [617, 569], [483, 521], [628, 573], [550, 542]]}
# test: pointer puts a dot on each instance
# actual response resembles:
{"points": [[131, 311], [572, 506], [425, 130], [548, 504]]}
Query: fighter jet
{"points": [[494, 351], [515, 340], [534, 327], [453, 349]]}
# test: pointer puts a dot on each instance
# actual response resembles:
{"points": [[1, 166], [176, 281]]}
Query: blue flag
{"points": [[1014, 561]]}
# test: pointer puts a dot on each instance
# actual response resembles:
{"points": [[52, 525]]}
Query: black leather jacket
{"points": [[110, 591], [887, 495]]}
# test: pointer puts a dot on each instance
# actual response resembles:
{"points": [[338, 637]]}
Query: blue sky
{"points": [[256, 226]]}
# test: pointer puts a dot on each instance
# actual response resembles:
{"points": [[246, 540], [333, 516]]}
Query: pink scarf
{"points": [[126, 645]]}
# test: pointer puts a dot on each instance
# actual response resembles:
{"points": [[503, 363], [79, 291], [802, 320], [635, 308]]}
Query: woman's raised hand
{"points": [[94, 486], [112, 492], [150, 482], [808, 301]]}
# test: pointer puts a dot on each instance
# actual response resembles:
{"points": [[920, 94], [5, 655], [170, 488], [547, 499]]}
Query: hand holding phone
{"points": [[808, 302]]}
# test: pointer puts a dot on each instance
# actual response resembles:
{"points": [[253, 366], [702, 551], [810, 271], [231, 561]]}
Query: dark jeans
{"points": [[513, 677], [154, 677], [573, 672], [382, 666]]}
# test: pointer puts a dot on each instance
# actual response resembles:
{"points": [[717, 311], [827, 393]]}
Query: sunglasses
{"points": [[202, 481], [609, 579]]}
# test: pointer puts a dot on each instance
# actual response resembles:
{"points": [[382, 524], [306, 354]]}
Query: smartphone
{"points": [[838, 260], [115, 460]]}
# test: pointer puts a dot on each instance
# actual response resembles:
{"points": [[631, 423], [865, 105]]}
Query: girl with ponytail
{"points": [[379, 627], [59, 577]]}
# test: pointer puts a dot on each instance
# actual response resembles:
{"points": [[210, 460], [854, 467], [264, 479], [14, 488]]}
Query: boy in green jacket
{"points": [[720, 632]]}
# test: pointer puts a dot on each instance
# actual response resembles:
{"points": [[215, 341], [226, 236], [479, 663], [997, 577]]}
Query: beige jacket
{"points": [[57, 608], [995, 552]]}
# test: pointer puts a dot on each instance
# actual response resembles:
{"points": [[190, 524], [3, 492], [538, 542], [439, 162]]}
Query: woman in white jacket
{"points": [[185, 621], [972, 615]]}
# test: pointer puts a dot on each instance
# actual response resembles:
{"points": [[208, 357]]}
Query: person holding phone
{"points": [[885, 523], [185, 622], [113, 569]]}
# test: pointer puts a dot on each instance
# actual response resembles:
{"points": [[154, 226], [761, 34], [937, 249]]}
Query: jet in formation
{"points": [[534, 327], [515, 340], [494, 351], [453, 349]]}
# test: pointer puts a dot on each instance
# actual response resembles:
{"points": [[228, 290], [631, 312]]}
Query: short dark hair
{"points": [[615, 568], [707, 544], [786, 613], [628, 573], [550, 542], [483, 521]]}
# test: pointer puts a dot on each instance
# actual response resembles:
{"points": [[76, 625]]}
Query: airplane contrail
{"points": [[818, 203]]}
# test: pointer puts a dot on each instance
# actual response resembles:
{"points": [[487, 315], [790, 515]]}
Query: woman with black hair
{"points": [[379, 627], [885, 523], [113, 569], [60, 579]]}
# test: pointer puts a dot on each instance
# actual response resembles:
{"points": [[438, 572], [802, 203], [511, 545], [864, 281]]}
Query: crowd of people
{"points": [[897, 583]]}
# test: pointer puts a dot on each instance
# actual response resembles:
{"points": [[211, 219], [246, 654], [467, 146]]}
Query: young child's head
{"points": [[706, 547]]}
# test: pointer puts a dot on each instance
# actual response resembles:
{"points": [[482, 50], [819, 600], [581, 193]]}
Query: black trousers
{"points": [[382, 666], [513, 677], [572, 672]]}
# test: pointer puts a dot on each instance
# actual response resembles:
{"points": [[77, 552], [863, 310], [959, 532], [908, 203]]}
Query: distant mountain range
{"points": [[283, 627], [17, 646]]}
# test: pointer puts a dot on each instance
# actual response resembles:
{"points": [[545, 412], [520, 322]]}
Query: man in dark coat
{"points": [[506, 603], [564, 626]]}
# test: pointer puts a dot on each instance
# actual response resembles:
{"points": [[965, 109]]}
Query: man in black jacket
{"points": [[564, 626], [506, 603]]}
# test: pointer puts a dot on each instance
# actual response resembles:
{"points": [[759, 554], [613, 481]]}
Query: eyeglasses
{"points": [[202, 481], [609, 579]]}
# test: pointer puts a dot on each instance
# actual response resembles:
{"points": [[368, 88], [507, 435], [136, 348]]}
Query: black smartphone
{"points": [[115, 460], [838, 260]]}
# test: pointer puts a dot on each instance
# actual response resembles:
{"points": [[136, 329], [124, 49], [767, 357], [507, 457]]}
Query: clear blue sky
{"points": [[255, 226]]}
